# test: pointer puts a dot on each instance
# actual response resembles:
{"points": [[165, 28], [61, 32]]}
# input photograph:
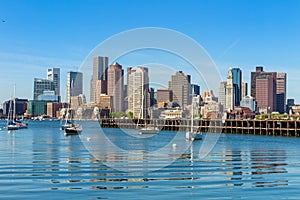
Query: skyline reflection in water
{"points": [[37, 161]]}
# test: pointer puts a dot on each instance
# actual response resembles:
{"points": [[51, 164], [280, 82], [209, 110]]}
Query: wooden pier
{"points": [[233, 126]]}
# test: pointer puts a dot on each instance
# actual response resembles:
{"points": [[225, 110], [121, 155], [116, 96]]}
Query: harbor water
{"points": [[41, 163]]}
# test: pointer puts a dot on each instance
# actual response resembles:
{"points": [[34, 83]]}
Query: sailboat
{"points": [[12, 122], [192, 134], [147, 129], [71, 128]]}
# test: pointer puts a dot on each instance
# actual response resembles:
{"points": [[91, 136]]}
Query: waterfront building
{"points": [[106, 102], [21, 106], [209, 107], [237, 84], [53, 108], [101, 88], [36, 108], [164, 95], [180, 85], [53, 74], [260, 72], [100, 65], [77, 101], [249, 102], [244, 89], [222, 94], [281, 92], [230, 92], [48, 95], [137, 91], [74, 84], [265, 93], [115, 86], [40, 85], [290, 103]]}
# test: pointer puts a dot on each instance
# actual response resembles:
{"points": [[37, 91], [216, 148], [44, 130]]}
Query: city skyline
{"points": [[231, 32]]}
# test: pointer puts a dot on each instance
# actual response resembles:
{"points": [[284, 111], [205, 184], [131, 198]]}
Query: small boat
{"points": [[66, 125], [192, 134], [74, 129]]}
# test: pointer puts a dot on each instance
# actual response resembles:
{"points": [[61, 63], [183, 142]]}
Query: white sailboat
{"points": [[192, 134], [12, 122], [71, 128], [147, 128]]}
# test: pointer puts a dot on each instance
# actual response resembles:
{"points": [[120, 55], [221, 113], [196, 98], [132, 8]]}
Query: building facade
{"points": [[137, 91], [281, 92], [41, 85], [115, 86], [222, 94], [100, 65], [180, 85], [53, 74], [237, 83], [74, 84], [230, 92], [244, 89], [163, 95], [265, 93]]}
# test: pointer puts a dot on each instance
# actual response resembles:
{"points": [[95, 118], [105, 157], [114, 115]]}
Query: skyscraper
{"points": [[74, 84], [230, 92], [164, 95], [41, 85], [259, 72], [53, 74], [244, 89], [180, 85], [222, 94], [115, 86], [281, 92], [237, 83], [265, 93], [100, 65], [137, 91]]}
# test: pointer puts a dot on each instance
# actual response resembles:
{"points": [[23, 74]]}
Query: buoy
{"points": [[174, 145], [88, 139]]}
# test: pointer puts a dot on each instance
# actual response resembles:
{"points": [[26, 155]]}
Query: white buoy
{"points": [[174, 145], [8, 131], [88, 139]]}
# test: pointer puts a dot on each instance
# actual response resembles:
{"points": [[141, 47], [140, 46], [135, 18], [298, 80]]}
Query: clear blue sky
{"points": [[38, 34]]}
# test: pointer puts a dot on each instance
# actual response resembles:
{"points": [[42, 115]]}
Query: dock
{"points": [[290, 128]]}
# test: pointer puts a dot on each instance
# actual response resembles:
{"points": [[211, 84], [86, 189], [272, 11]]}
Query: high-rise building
{"points": [[137, 91], [195, 89], [53, 74], [41, 85], [115, 86], [237, 83], [222, 94], [281, 92], [259, 72], [74, 84], [244, 89], [180, 85], [101, 88], [164, 95], [100, 65], [265, 93], [290, 103], [230, 92]]}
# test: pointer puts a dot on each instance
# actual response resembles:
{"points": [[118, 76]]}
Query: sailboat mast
{"points": [[192, 116], [14, 112]]}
